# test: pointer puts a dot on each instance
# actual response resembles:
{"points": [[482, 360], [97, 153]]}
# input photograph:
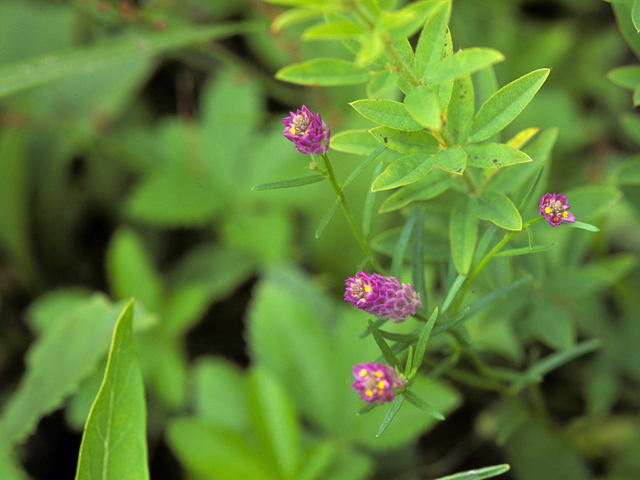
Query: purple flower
{"points": [[307, 131], [384, 297], [555, 208], [376, 382]]}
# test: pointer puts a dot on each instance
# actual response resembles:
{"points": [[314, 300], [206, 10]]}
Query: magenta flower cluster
{"points": [[376, 382], [307, 131], [555, 209], [384, 297]]}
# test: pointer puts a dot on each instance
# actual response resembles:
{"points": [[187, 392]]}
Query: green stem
{"points": [[476, 271], [337, 187]]}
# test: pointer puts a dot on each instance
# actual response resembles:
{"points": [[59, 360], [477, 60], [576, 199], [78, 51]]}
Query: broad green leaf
{"points": [[521, 138], [131, 271], [592, 200], [525, 250], [395, 406], [326, 72], [478, 473], [422, 104], [498, 209], [114, 443], [406, 58], [380, 83], [494, 155], [428, 187], [359, 142], [415, 12], [485, 85], [463, 233], [214, 452], [294, 182], [386, 112], [82, 60], [406, 142], [9, 465], [431, 38], [630, 123], [403, 171], [452, 159], [294, 17], [506, 104], [628, 173], [274, 420], [626, 77], [463, 62], [445, 88], [333, 30], [77, 342], [460, 110]]}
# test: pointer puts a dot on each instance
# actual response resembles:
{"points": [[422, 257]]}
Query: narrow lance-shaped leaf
{"points": [[114, 444], [395, 406], [525, 250], [463, 62], [413, 399], [386, 112], [404, 171], [463, 233], [403, 243], [421, 346], [506, 104], [479, 473], [326, 72], [294, 182], [387, 353], [367, 211], [37, 71], [424, 189]]}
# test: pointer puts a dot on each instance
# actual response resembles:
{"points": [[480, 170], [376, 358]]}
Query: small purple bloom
{"points": [[376, 382], [555, 209], [307, 131], [384, 297]]}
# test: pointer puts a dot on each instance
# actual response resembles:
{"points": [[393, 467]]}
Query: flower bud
{"points": [[307, 131], [376, 382]]}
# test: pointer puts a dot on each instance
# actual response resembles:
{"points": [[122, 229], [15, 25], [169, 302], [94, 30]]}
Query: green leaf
{"points": [[463, 233], [630, 123], [211, 451], [461, 63], [422, 104], [404, 142], [583, 226], [380, 83], [460, 110], [416, 401], [452, 159], [77, 341], [417, 260], [391, 359], [424, 189], [431, 38], [478, 473], [451, 294], [82, 60], [497, 208], [9, 465], [131, 271], [395, 406], [386, 112], [274, 420], [628, 173], [367, 210], [327, 72], [524, 250], [553, 325], [294, 182], [114, 443], [592, 200], [635, 15], [494, 155], [626, 77], [359, 142], [452, 322], [421, 345], [506, 104], [333, 30], [294, 17], [402, 244], [404, 171]]}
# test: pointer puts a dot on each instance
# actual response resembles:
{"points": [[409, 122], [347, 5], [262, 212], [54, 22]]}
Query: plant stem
{"points": [[476, 271], [337, 187]]}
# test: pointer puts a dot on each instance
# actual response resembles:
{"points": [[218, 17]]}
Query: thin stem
{"points": [[485, 260], [337, 187]]}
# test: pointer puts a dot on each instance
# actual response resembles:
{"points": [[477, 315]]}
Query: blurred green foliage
{"points": [[131, 134]]}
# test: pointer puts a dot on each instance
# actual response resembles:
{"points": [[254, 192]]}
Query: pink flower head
{"points": [[384, 297], [555, 209], [376, 382], [307, 131]]}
